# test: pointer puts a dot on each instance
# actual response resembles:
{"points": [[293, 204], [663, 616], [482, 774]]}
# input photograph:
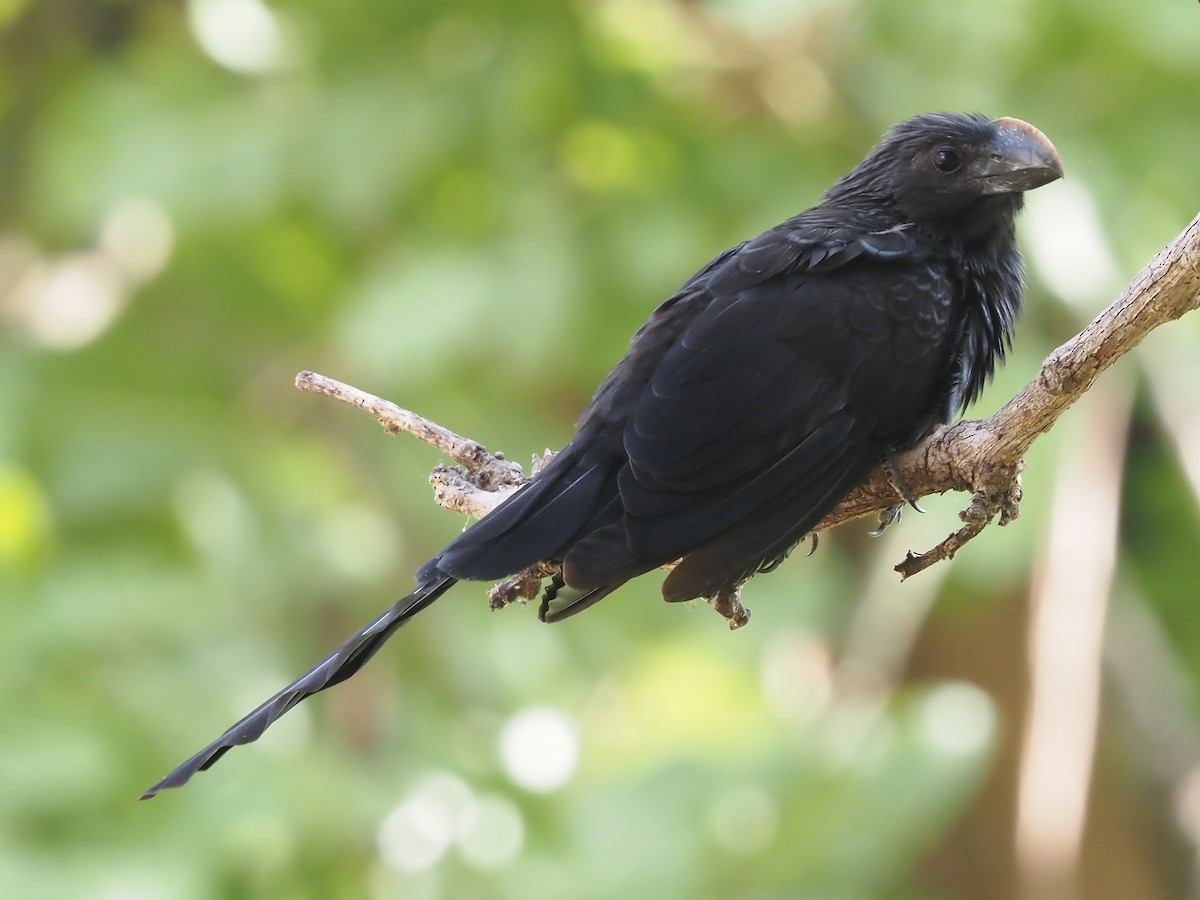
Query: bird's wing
{"points": [[814, 344], [577, 490]]}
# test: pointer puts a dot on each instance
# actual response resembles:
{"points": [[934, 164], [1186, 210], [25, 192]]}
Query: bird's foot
{"points": [[893, 476], [771, 565], [728, 602], [893, 513], [522, 587], [886, 518]]}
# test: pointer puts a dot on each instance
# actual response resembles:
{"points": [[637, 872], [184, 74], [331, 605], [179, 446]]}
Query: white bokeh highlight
{"points": [[492, 834], [67, 302], [958, 719], [244, 36], [442, 812], [419, 831], [1067, 246], [539, 749], [138, 236]]}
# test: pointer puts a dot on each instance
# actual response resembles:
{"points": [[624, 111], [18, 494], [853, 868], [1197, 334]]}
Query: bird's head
{"points": [[953, 166]]}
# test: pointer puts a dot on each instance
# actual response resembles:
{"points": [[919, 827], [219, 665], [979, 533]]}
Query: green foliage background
{"points": [[467, 207]]}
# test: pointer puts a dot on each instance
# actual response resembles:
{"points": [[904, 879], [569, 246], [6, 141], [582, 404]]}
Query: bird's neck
{"points": [[982, 221], [986, 226]]}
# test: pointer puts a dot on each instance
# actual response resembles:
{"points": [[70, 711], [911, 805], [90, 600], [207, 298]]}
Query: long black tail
{"points": [[336, 667]]}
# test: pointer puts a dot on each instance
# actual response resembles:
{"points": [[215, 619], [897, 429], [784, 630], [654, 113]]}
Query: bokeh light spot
{"points": [[419, 831], [138, 236], [539, 748], [1067, 245], [492, 835], [70, 301], [244, 36], [25, 521], [958, 718]]}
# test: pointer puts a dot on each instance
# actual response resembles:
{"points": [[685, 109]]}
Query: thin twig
{"points": [[975, 517], [484, 470]]}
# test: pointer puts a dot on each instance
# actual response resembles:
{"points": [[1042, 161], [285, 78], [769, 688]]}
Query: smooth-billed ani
{"points": [[762, 392]]}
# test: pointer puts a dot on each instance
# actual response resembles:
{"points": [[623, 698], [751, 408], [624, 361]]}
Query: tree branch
{"points": [[985, 456], [980, 456], [490, 476]]}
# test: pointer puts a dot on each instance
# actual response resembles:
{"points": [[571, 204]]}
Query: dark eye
{"points": [[946, 160]]}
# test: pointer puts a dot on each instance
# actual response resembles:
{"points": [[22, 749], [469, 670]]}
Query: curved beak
{"points": [[1021, 159]]}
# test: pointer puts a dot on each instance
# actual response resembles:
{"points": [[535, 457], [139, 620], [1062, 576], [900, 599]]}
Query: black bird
{"points": [[761, 393]]}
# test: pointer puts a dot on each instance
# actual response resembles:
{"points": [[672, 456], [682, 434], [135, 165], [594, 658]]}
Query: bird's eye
{"points": [[946, 160]]}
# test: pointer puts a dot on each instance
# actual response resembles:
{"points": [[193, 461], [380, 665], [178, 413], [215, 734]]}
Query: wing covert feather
{"points": [[765, 395]]}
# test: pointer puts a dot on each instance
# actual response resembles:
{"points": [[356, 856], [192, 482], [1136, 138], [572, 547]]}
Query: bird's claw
{"points": [[893, 476], [523, 586], [728, 602], [887, 517]]}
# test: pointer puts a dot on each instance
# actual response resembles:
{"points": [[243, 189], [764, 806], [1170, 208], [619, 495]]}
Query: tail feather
{"points": [[336, 667], [536, 522]]}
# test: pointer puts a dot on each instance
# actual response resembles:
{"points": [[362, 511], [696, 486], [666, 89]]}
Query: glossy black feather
{"points": [[765, 389]]}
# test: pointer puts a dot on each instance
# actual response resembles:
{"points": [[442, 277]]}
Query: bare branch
{"points": [[983, 457], [976, 517], [455, 490], [484, 470]]}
